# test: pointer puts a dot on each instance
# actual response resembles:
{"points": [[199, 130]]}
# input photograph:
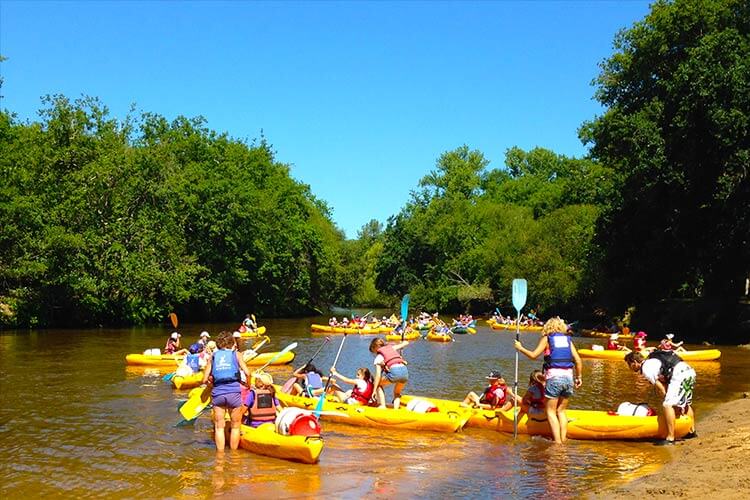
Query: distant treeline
{"points": [[107, 221]]}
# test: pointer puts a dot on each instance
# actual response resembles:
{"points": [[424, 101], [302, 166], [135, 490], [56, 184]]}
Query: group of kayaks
{"points": [[512, 326], [701, 355]]}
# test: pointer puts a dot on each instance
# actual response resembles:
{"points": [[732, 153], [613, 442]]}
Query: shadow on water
{"points": [[75, 421]]}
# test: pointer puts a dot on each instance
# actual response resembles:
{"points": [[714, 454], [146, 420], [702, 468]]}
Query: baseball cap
{"points": [[670, 336], [494, 374], [175, 335], [205, 334], [236, 335]]}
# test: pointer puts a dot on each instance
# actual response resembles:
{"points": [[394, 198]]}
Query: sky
{"points": [[359, 98]]}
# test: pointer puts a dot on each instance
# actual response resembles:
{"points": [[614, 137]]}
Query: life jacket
{"points": [[365, 396], [263, 409], [390, 356], [224, 367], [665, 345], [639, 343], [611, 345], [560, 354], [171, 346], [537, 399], [489, 396], [193, 361], [312, 382], [668, 361]]}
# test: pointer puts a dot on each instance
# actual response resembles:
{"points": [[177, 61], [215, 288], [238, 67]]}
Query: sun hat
{"points": [[494, 374], [614, 336], [211, 345], [266, 378], [670, 336], [641, 334], [236, 335], [175, 335], [205, 334]]}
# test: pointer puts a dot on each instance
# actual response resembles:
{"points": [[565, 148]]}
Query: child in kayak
{"points": [[532, 403], [361, 393], [496, 396], [262, 404], [614, 345], [173, 345], [390, 368], [667, 345], [309, 381]]}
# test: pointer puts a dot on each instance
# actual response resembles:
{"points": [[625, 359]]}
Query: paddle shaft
{"points": [[285, 350], [318, 351], [335, 360], [515, 378]]}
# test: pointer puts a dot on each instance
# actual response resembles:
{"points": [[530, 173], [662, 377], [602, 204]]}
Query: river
{"points": [[76, 422]]}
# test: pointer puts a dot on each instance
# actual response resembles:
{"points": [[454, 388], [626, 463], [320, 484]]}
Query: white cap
{"points": [[236, 335], [614, 336], [175, 335], [670, 336], [205, 334]]}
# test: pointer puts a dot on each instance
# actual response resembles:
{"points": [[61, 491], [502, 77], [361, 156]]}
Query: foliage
{"points": [[676, 131], [107, 221]]}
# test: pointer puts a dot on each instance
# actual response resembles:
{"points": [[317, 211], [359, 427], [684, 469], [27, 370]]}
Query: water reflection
{"points": [[94, 427]]}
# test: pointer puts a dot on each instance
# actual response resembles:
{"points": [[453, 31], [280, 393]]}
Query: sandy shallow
{"points": [[716, 463]]}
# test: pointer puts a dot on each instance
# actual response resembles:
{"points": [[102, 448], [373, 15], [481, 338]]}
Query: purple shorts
{"points": [[228, 401]]}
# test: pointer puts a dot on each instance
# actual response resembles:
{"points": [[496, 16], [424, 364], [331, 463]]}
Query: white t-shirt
{"points": [[379, 360], [361, 385], [651, 369]]}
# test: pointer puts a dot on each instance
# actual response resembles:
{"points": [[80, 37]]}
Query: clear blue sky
{"points": [[360, 98]]}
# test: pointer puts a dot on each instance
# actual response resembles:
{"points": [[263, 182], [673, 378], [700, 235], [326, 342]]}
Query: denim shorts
{"points": [[228, 401], [559, 387], [397, 374]]}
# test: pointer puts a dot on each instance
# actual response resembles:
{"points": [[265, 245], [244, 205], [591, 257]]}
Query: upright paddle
{"points": [[173, 319], [322, 398], [519, 300], [404, 314], [328, 339]]}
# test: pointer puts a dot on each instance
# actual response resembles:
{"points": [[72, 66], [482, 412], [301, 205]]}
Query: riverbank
{"points": [[714, 463]]}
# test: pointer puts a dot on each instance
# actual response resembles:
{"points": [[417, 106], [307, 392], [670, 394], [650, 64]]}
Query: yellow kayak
{"points": [[605, 335], [264, 440], [376, 330], [582, 424], [171, 360], [702, 355], [434, 336], [252, 334], [512, 327], [187, 382], [388, 418], [396, 337]]}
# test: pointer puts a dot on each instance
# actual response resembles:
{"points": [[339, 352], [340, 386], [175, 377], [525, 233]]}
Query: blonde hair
{"points": [[555, 324]]}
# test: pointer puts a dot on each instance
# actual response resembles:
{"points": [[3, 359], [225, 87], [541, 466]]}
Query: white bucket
{"points": [[152, 352], [636, 410], [420, 406], [597, 347]]}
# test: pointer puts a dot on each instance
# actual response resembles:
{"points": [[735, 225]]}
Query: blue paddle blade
{"points": [[405, 307], [168, 377], [319, 406], [519, 294]]}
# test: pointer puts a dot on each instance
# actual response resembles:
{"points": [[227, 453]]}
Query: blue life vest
{"points": [[224, 367], [193, 361], [312, 382], [560, 355]]}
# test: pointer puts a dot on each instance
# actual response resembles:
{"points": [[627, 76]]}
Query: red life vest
{"points": [[537, 399], [612, 345], [390, 356], [363, 396], [489, 396], [263, 409]]}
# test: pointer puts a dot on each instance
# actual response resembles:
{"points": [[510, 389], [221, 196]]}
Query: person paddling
{"points": [[562, 373], [390, 368], [363, 390], [667, 344], [173, 345], [309, 381], [614, 345], [674, 379]]}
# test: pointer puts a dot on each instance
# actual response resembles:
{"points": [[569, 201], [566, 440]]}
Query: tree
{"points": [[677, 131]]}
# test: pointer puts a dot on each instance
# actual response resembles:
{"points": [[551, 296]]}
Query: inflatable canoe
{"points": [[187, 382], [702, 355], [582, 424], [252, 334], [433, 336], [396, 337], [377, 330], [171, 360], [512, 327], [368, 416], [264, 440], [462, 330], [604, 335]]}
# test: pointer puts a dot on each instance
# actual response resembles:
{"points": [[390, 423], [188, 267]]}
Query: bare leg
{"points": [[562, 418], [397, 394], [380, 394], [234, 436], [669, 417], [471, 399], [219, 428], [550, 405], [691, 414]]}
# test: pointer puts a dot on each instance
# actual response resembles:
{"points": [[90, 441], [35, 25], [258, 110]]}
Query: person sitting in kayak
{"points": [[310, 381], [262, 404], [248, 324], [639, 343], [532, 403], [192, 362], [333, 322], [173, 345], [496, 396], [363, 390], [667, 345], [614, 345], [224, 369], [390, 368], [203, 340]]}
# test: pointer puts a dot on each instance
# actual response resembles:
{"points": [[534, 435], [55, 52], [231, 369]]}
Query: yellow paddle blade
{"points": [[196, 403]]}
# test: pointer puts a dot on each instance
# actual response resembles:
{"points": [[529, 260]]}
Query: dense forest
{"points": [[121, 221]]}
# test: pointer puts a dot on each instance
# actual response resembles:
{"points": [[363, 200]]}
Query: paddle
{"points": [[255, 350], [322, 398], [327, 339], [173, 319], [404, 314], [519, 300], [285, 350]]}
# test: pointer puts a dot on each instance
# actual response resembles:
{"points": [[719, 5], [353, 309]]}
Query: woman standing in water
{"points": [[562, 373]]}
